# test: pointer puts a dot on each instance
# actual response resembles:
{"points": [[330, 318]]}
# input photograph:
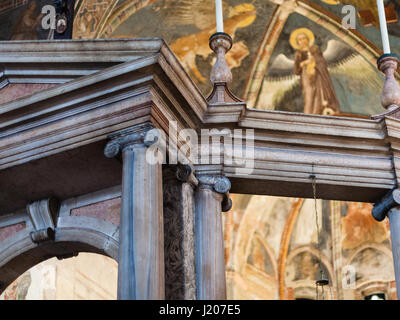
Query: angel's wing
{"points": [[337, 51], [274, 89], [359, 71], [201, 13], [279, 80], [281, 66], [342, 61]]}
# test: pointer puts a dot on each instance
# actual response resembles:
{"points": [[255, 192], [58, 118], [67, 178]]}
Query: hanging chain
{"points": [[314, 185]]}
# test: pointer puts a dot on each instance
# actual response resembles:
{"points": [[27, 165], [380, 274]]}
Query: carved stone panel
{"points": [[180, 276]]}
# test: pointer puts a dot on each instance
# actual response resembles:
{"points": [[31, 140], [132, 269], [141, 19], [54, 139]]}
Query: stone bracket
{"points": [[43, 214], [390, 200]]}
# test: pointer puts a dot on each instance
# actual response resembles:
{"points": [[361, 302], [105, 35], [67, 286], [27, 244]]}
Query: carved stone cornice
{"points": [[219, 184], [390, 200], [140, 134]]}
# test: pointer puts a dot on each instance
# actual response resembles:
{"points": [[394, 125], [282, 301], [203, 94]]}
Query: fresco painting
{"points": [[22, 21], [359, 227], [325, 76], [187, 26]]}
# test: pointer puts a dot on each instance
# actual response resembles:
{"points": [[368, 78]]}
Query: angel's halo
{"points": [[307, 32]]}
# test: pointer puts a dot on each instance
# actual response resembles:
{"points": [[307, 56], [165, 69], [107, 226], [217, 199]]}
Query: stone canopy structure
{"points": [[78, 119]]}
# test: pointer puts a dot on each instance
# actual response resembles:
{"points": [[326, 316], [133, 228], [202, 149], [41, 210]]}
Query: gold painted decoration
{"points": [[240, 16], [90, 17], [332, 2]]}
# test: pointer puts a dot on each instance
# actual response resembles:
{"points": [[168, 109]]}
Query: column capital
{"points": [[140, 134], [389, 201], [219, 184], [181, 172]]}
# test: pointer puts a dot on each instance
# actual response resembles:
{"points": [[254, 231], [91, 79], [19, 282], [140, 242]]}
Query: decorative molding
{"points": [[14, 218], [8, 231], [89, 199]]}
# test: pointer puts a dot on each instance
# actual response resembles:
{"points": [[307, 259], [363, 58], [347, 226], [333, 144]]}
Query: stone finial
{"points": [[221, 75], [388, 64], [390, 98]]}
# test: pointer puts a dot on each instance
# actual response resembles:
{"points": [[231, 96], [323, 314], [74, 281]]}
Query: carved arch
{"points": [[73, 234]]}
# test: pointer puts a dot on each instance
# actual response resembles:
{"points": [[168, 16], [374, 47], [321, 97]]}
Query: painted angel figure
{"points": [[312, 72], [311, 66], [25, 28]]}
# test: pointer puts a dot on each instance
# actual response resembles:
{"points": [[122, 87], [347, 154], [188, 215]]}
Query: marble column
{"points": [[390, 206], [141, 251], [394, 222], [211, 199], [179, 183]]}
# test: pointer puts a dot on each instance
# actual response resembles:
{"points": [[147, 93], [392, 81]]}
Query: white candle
{"points": [[220, 19], [383, 24]]}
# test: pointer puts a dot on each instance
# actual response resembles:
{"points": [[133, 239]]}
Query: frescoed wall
{"points": [[273, 252], [333, 73]]}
